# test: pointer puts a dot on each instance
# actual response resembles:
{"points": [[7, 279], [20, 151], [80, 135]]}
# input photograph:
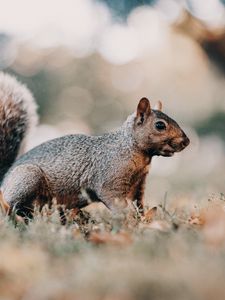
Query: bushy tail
{"points": [[17, 117]]}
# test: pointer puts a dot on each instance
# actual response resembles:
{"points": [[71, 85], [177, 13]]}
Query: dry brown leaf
{"points": [[149, 215], [197, 219], [122, 238]]}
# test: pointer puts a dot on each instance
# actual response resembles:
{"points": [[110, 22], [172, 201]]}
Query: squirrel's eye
{"points": [[160, 125]]}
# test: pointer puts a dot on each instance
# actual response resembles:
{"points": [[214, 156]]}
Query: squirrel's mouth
{"points": [[167, 153], [170, 147]]}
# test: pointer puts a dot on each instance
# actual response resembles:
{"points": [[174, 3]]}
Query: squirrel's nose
{"points": [[185, 141]]}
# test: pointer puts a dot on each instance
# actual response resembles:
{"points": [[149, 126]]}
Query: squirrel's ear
{"points": [[158, 106], [143, 111]]}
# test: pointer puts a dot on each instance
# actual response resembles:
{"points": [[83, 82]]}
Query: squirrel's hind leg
{"points": [[24, 184]]}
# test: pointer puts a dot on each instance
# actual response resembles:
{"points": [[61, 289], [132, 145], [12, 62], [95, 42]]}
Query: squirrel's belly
{"points": [[67, 191], [70, 201]]}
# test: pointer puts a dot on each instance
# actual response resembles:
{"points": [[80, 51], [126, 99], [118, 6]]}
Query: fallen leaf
{"points": [[149, 215], [197, 219]]}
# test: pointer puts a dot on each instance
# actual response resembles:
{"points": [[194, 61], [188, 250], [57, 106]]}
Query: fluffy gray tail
{"points": [[17, 117]]}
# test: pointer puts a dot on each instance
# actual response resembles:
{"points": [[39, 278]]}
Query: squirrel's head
{"points": [[156, 133]]}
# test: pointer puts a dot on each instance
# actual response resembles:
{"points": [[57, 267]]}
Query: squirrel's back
{"points": [[17, 117]]}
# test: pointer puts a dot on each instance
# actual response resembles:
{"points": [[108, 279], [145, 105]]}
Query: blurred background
{"points": [[89, 62]]}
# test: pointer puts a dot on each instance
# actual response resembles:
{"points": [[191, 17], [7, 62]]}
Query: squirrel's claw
{"points": [[6, 208], [4, 205]]}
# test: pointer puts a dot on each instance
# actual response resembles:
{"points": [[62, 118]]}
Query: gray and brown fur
{"points": [[17, 118], [112, 166]]}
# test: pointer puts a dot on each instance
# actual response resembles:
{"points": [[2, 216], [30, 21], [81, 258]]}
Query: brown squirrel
{"points": [[108, 167]]}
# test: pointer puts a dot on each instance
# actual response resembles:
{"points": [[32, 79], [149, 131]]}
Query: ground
{"points": [[174, 252]]}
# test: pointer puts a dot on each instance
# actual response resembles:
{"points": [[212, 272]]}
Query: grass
{"points": [[170, 254]]}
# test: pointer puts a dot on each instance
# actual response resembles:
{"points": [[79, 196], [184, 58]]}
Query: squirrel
{"points": [[109, 167]]}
